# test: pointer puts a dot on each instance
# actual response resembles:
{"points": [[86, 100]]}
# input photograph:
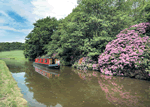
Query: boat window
{"points": [[42, 60], [38, 60], [45, 60]]}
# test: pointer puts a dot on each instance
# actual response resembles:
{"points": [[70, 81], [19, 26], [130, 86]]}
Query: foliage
{"points": [[6, 46], [84, 63], [39, 37], [126, 52], [85, 31]]}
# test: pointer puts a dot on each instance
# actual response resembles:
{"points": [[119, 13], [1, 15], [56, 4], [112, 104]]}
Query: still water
{"points": [[69, 87]]}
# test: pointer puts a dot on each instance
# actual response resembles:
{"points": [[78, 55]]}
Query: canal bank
{"points": [[10, 95]]}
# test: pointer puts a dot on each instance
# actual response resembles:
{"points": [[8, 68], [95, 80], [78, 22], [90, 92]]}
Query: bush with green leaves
{"points": [[84, 63]]}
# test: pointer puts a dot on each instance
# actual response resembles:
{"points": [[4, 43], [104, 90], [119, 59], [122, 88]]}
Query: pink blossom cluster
{"points": [[95, 66], [54, 55], [123, 51], [86, 60]]}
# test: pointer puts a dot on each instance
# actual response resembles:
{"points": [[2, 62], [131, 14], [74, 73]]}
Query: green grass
{"points": [[10, 95], [17, 54], [19, 59]]}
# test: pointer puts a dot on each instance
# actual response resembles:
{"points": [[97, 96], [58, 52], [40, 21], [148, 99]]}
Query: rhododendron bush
{"points": [[128, 55]]}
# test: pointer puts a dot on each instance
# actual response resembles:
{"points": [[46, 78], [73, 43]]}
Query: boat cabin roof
{"points": [[45, 58]]}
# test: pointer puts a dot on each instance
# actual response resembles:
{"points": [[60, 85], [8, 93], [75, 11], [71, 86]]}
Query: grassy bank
{"points": [[10, 95]]}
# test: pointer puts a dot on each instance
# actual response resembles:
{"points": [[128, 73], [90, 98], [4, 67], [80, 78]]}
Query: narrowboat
{"points": [[48, 61]]}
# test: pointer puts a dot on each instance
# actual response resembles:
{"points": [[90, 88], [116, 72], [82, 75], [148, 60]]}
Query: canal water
{"points": [[69, 87]]}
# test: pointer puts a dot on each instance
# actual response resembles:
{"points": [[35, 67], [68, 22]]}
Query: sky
{"points": [[17, 16]]}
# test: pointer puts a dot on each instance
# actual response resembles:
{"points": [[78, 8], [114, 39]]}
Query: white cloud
{"points": [[2, 20], [26, 31], [7, 28], [53, 8], [2, 12], [5, 17], [15, 40], [38, 9]]}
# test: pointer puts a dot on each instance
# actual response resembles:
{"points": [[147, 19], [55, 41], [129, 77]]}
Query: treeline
{"points": [[6, 46], [86, 31]]}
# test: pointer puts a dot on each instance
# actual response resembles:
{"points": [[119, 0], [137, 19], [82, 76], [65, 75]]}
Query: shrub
{"points": [[84, 63], [126, 54]]}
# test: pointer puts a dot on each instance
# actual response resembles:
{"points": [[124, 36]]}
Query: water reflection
{"points": [[46, 73], [121, 91], [67, 87]]}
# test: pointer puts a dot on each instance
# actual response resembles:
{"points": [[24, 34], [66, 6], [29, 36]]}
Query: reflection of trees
{"points": [[119, 95], [50, 91], [121, 91], [71, 90], [42, 87], [16, 66]]}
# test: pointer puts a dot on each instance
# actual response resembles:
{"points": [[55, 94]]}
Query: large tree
{"points": [[40, 35]]}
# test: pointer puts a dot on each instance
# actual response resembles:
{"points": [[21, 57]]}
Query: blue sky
{"points": [[17, 16]]}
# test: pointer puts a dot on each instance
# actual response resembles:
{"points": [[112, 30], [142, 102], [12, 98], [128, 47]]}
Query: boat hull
{"points": [[49, 66]]}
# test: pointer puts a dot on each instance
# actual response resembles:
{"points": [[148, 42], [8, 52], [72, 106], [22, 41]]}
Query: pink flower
{"points": [[124, 50]]}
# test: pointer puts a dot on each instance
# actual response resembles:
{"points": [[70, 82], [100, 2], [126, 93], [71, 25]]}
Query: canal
{"points": [[69, 87]]}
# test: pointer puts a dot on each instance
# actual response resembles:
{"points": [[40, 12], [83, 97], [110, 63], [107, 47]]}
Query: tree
{"points": [[40, 36]]}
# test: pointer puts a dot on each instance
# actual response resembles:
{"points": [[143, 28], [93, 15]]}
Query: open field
{"points": [[13, 57], [16, 54]]}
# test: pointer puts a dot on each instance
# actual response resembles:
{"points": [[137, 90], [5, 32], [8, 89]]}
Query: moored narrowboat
{"points": [[48, 61]]}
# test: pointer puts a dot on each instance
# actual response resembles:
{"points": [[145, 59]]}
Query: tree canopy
{"points": [[6, 46], [85, 31]]}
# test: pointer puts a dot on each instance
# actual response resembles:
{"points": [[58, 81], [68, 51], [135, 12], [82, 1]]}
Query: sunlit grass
{"points": [[17, 54]]}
